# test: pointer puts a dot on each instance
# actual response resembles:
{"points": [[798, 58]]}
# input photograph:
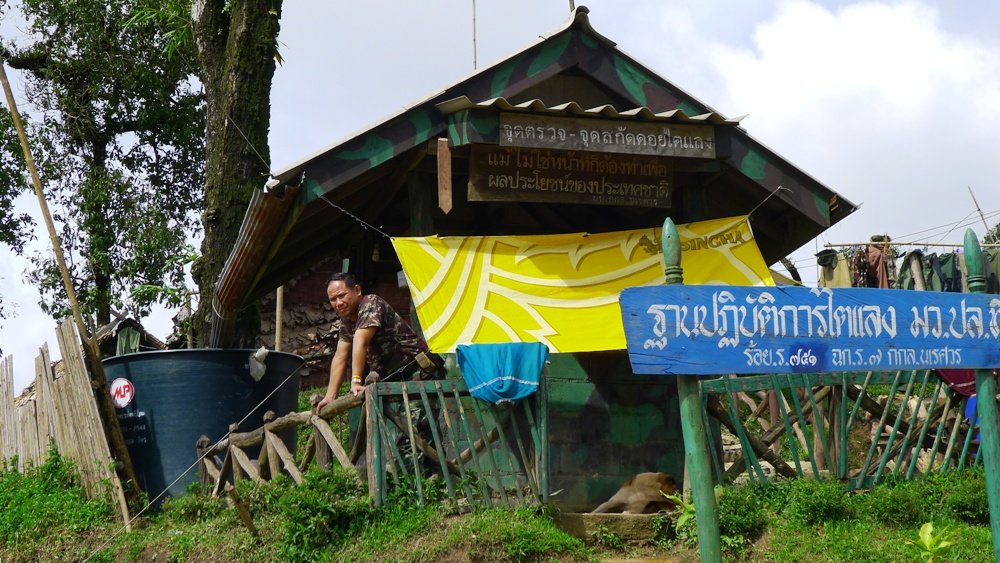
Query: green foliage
{"points": [[741, 515], [515, 535], [894, 504], [604, 537], [120, 138], [46, 500], [196, 506], [684, 513], [811, 502], [967, 499], [932, 544], [321, 513], [15, 228]]}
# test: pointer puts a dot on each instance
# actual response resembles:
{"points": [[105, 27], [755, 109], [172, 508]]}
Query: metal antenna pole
{"points": [[981, 216], [474, 34]]}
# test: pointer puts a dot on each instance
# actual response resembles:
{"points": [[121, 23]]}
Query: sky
{"points": [[894, 105]]}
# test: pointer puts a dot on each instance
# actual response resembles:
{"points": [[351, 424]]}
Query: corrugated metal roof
{"points": [[265, 217], [574, 110]]}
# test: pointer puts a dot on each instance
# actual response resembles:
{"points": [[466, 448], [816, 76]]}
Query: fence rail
{"points": [[855, 427], [433, 430]]}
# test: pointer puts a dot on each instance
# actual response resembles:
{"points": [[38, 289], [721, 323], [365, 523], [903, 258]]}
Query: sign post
{"points": [[716, 330], [986, 391], [692, 423]]}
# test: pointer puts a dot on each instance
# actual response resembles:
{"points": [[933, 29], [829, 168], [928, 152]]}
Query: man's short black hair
{"points": [[349, 279]]}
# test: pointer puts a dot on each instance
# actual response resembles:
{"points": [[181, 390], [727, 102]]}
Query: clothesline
{"points": [[885, 243]]}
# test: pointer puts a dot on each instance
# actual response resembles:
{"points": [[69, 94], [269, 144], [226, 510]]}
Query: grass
{"points": [[44, 515]]}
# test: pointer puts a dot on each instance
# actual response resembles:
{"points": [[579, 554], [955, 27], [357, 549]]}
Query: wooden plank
{"points": [[8, 430], [224, 472], [515, 174], [606, 135], [717, 330], [444, 175], [285, 455], [244, 463], [338, 450]]}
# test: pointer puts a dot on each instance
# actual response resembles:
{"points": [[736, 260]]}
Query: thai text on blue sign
{"points": [[716, 330]]}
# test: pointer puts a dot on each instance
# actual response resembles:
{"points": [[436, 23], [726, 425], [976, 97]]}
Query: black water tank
{"points": [[167, 399]]}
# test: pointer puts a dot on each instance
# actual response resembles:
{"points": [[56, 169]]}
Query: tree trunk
{"points": [[236, 44]]}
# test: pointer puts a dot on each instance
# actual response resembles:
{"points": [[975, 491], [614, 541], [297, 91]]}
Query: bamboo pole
{"points": [[109, 419], [279, 316]]}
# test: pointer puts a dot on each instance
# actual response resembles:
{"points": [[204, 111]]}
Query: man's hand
{"points": [[357, 388], [324, 402]]}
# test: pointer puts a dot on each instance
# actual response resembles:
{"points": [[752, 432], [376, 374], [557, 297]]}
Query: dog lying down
{"points": [[641, 494]]}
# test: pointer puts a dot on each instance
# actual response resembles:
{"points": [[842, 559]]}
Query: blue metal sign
{"points": [[717, 330]]}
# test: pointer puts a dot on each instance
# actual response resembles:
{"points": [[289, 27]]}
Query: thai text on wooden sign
{"points": [[521, 174], [605, 135], [717, 330]]}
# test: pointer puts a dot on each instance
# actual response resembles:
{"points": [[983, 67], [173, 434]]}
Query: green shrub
{"points": [[321, 513], [195, 506], [46, 499], [263, 497], [741, 514], [812, 502], [968, 502], [502, 534], [900, 504], [604, 537]]}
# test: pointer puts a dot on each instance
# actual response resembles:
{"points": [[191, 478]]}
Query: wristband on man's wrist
{"points": [[355, 379]]}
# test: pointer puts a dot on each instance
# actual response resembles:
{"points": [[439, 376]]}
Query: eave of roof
{"points": [[573, 109]]}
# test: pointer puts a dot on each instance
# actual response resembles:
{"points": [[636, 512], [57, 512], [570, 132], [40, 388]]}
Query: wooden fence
{"points": [[485, 455], [857, 428], [59, 409]]}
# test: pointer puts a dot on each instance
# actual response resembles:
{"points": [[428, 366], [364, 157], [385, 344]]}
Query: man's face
{"points": [[343, 299]]}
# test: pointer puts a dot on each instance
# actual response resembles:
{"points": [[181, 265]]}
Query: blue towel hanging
{"points": [[502, 373]]}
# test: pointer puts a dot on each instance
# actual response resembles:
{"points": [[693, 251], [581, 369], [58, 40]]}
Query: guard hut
{"points": [[569, 135]]}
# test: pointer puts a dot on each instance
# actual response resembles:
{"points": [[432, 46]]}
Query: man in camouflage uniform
{"points": [[374, 339]]}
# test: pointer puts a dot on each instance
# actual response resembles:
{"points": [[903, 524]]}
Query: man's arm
{"points": [[338, 366], [362, 340]]}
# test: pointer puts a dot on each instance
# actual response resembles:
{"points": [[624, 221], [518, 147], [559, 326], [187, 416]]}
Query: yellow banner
{"points": [[561, 290]]}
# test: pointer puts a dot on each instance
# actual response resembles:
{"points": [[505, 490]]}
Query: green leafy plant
{"points": [[604, 537], [741, 517], [196, 506], [683, 513], [897, 504], [932, 545], [46, 499], [811, 502], [321, 513]]}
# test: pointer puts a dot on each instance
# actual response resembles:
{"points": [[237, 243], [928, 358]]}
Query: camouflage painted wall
{"points": [[606, 425]]}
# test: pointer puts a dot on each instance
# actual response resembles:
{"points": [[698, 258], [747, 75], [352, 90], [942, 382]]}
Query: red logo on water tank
{"points": [[122, 392]]}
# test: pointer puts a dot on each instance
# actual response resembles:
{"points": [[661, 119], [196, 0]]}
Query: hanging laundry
{"points": [[965, 271], [879, 266], [991, 265], [907, 277], [951, 276], [502, 373], [859, 269], [961, 381], [834, 270]]}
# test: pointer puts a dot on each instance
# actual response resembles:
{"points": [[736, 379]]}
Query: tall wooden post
{"points": [[692, 424], [92, 353], [986, 391]]}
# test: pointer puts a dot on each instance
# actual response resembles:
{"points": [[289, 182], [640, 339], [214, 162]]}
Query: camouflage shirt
{"points": [[394, 344]]}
